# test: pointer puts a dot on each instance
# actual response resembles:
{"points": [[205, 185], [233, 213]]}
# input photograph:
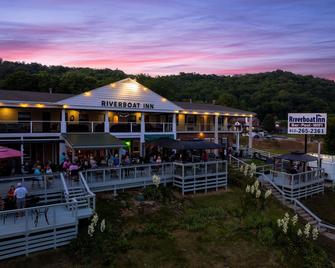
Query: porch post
{"points": [[22, 155], [142, 135], [174, 126], [216, 129], [63, 122], [250, 132], [238, 141], [106, 123], [225, 123]]}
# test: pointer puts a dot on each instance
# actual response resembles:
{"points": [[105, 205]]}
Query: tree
{"points": [[329, 146], [269, 123]]}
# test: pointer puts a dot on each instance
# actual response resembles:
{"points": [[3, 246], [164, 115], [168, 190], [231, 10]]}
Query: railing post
{"points": [[92, 126], [131, 127], [31, 126]]}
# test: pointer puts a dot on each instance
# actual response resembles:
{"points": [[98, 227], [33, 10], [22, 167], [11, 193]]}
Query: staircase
{"points": [[80, 195], [303, 212]]}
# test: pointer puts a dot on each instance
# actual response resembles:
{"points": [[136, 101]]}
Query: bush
{"points": [[161, 193], [266, 236]]}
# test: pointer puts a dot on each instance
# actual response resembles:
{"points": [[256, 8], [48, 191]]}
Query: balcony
{"points": [[13, 128], [196, 128], [29, 127]]}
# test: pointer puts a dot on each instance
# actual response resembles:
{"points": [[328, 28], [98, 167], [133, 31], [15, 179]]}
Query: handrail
{"points": [[320, 222], [82, 179], [66, 190], [129, 166]]}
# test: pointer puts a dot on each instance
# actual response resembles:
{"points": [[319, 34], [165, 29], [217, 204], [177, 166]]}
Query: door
{"points": [[46, 118]]}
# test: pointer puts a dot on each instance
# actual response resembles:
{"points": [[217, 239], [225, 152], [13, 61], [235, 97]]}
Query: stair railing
{"points": [[66, 190], [90, 195]]}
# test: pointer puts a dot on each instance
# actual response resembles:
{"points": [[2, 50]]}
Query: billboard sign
{"points": [[307, 123]]}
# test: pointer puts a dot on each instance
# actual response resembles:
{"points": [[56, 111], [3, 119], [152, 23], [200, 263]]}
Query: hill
{"points": [[275, 93]]}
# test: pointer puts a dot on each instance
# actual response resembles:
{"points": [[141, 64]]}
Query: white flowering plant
{"points": [[91, 229], [255, 196], [294, 236]]}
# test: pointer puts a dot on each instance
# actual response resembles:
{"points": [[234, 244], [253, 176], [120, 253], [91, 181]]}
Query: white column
{"points": [[225, 123], [63, 122], [22, 155], [174, 125], [106, 123], [250, 132], [238, 141], [62, 149], [142, 135], [216, 129]]}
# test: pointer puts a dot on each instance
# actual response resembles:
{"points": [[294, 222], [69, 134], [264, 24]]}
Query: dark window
{"points": [[24, 116]]}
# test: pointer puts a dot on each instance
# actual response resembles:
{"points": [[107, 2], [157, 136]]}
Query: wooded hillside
{"points": [[275, 93]]}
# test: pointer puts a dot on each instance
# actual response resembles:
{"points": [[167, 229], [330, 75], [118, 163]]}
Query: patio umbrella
{"points": [[6, 153]]}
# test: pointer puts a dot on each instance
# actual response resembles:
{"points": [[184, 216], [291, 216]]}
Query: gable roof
{"points": [[123, 91], [207, 107], [33, 96]]}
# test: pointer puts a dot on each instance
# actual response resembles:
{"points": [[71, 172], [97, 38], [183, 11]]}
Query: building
{"points": [[35, 122]]}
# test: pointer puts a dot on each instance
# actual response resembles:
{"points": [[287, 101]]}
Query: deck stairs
{"points": [[302, 211]]}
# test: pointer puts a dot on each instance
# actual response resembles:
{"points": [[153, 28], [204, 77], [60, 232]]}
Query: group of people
{"points": [[15, 199]]}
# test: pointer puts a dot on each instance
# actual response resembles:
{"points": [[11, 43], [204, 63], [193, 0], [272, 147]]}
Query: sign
{"points": [[127, 104], [307, 123]]}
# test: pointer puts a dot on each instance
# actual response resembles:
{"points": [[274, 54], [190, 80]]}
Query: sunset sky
{"points": [[172, 36]]}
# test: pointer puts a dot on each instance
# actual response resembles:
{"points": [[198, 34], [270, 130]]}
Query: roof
{"points": [[186, 145], [20, 95], [92, 140], [297, 156], [208, 107]]}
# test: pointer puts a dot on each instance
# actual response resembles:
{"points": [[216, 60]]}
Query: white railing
{"points": [[30, 126], [66, 190], [195, 127], [44, 186], [296, 203], [90, 196], [267, 154], [84, 126], [297, 180], [158, 127], [116, 175], [200, 176], [121, 127], [30, 218]]}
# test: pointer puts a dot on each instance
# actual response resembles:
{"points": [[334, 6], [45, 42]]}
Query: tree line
{"points": [[275, 93]]}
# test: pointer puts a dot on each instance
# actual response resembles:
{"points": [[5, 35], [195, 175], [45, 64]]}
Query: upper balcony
{"points": [[49, 128]]}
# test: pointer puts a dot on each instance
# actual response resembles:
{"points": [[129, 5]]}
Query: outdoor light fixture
{"points": [[87, 94], [24, 105], [39, 105], [65, 106], [163, 99]]}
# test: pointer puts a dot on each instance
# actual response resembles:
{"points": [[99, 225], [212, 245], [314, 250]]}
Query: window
{"points": [[24, 116]]}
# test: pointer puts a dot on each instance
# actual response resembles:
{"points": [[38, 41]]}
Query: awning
{"points": [[92, 141], [297, 156], [6, 153], [186, 145]]}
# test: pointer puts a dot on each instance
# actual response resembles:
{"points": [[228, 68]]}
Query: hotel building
{"points": [[37, 122]]}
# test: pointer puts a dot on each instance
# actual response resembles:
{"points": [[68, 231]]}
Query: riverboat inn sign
{"points": [[127, 104], [307, 123]]}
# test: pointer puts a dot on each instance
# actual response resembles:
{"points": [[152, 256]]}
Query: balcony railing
{"points": [[85, 126], [30, 126], [124, 127], [158, 127], [195, 127]]}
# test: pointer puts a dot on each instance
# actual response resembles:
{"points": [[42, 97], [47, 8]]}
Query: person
{"points": [[62, 158], [116, 160], [2, 204], [66, 164], [10, 193], [38, 175], [127, 160], [48, 173], [73, 171], [158, 160], [93, 163], [20, 194]]}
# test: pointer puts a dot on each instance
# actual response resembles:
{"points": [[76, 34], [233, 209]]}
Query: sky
{"points": [[167, 37]]}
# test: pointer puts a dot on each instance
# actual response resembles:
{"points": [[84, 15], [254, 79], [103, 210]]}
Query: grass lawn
{"points": [[197, 231]]}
